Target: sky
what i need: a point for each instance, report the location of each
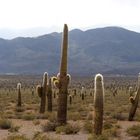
(36, 17)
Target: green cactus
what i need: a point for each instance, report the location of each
(41, 90)
(19, 94)
(62, 81)
(98, 104)
(49, 95)
(134, 101)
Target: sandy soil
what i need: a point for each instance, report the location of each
(29, 129)
(124, 125)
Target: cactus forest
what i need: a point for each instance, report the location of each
(69, 107)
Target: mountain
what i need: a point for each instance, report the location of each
(109, 50)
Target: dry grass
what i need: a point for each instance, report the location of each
(81, 111)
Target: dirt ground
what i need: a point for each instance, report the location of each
(28, 129)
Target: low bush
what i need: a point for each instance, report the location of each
(5, 124)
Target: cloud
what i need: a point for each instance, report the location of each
(23, 14)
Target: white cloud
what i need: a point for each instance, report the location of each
(77, 13)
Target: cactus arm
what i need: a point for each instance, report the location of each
(43, 93)
(134, 105)
(49, 95)
(39, 90)
(63, 65)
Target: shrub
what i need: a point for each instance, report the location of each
(134, 130)
(48, 115)
(14, 129)
(5, 124)
(49, 126)
(29, 117)
(100, 137)
(72, 128)
(60, 129)
(88, 127)
(74, 116)
(39, 136)
(107, 125)
(111, 132)
(17, 137)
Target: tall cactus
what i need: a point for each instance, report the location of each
(49, 95)
(41, 90)
(98, 104)
(19, 94)
(134, 101)
(62, 80)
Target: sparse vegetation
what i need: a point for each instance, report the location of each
(5, 124)
(134, 131)
(49, 126)
(17, 137)
(71, 128)
(80, 111)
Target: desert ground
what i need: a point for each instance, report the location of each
(26, 123)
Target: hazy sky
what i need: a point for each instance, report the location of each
(18, 15)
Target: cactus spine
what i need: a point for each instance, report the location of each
(98, 104)
(62, 80)
(49, 95)
(19, 94)
(41, 90)
(134, 101)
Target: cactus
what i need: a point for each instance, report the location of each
(19, 94)
(41, 90)
(75, 93)
(130, 91)
(83, 93)
(70, 99)
(134, 101)
(62, 80)
(98, 104)
(49, 95)
(115, 92)
(83, 96)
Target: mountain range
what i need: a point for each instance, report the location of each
(108, 50)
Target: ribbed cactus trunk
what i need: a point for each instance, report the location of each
(19, 94)
(98, 104)
(63, 84)
(49, 96)
(134, 101)
(41, 90)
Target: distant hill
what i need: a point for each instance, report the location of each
(110, 50)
